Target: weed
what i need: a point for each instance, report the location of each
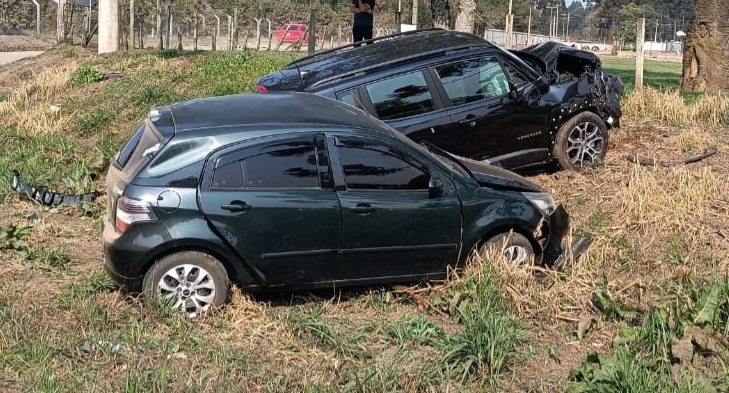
(13, 238)
(86, 74)
(70, 53)
(94, 121)
(97, 283)
(151, 96)
(417, 330)
(50, 256)
(313, 327)
(4, 96)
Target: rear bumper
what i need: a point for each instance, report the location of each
(115, 258)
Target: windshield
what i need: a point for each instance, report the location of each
(446, 159)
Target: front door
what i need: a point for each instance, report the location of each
(275, 205)
(494, 111)
(391, 223)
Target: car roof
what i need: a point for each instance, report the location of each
(387, 50)
(282, 108)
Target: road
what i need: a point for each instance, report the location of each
(9, 57)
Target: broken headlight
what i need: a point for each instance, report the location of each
(541, 200)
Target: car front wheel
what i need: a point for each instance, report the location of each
(190, 281)
(581, 142)
(513, 247)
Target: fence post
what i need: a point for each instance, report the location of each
(194, 32)
(270, 34)
(258, 33)
(639, 54)
(230, 32)
(312, 33)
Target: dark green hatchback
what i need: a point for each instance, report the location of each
(295, 190)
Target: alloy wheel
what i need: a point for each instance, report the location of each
(585, 145)
(187, 287)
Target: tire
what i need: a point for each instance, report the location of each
(517, 249)
(595, 48)
(166, 282)
(581, 142)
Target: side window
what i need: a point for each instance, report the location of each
(473, 80)
(290, 165)
(371, 168)
(350, 97)
(515, 77)
(401, 96)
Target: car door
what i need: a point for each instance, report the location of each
(406, 102)
(392, 225)
(273, 202)
(494, 110)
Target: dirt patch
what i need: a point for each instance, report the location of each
(12, 43)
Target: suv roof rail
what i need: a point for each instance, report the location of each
(390, 63)
(338, 49)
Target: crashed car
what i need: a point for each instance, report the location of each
(543, 104)
(226, 189)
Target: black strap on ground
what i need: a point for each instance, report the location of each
(47, 197)
(651, 162)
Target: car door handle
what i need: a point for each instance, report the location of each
(236, 206)
(470, 120)
(362, 208)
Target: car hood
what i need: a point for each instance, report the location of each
(491, 176)
(555, 56)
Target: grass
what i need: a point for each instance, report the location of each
(659, 261)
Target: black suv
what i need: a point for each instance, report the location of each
(470, 97)
(225, 188)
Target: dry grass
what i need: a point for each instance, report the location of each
(669, 107)
(29, 106)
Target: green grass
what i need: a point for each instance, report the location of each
(656, 73)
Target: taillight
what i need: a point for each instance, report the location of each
(261, 89)
(129, 211)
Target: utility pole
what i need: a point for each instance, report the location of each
(551, 20)
(415, 13)
(509, 26)
(108, 25)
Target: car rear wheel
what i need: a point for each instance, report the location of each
(513, 247)
(581, 142)
(190, 281)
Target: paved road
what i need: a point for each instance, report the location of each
(9, 57)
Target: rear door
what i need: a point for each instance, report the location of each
(391, 225)
(274, 203)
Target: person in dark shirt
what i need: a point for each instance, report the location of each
(362, 24)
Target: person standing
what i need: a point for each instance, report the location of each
(363, 19)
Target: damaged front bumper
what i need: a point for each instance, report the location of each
(556, 253)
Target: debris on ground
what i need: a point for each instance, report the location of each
(708, 152)
(47, 197)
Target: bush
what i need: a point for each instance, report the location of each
(85, 75)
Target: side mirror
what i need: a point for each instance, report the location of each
(435, 188)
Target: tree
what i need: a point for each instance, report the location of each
(706, 55)
(464, 18)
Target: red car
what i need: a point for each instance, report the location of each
(294, 33)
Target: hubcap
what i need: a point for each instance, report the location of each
(585, 145)
(516, 255)
(187, 287)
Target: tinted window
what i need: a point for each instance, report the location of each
(129, 147)
(350, 98)
(229, 175)
(473, 80)
(515, 77)
(402, 96)
(292, 167)
(368, 169)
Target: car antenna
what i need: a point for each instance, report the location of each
(298, 70)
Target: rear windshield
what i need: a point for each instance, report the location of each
(140, 148)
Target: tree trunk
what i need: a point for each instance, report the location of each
(131, 21)
(61, 22)
(158, 30)
(706, 52)
(441, 11)
(466, 12)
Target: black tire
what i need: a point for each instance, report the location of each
(581, 142)
(516, 248)
(595, 48)
(207, 287)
